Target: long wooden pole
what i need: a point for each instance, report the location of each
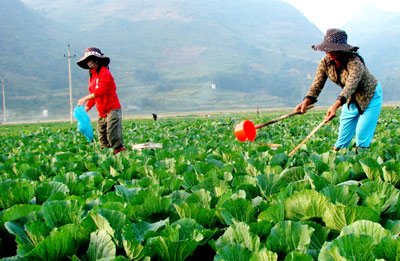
(282, 117)
(309, 136)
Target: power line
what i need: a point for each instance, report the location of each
(69, 78)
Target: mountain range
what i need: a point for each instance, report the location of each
(173, 55)
(376, 32)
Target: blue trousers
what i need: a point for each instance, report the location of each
(363, 125)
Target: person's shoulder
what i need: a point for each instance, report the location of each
(105, 71)
(325, 61)
(355, 59)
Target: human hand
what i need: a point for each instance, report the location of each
(81, 101)
(302, 106)
(331, 113)
(298, 107)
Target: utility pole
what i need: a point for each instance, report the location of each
(69, 78)
(3, 81)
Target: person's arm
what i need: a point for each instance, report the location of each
(302, 106)
(316, 87)
(86, 98)
(89, 104)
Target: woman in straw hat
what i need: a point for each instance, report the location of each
(362, 93)
(103, 93)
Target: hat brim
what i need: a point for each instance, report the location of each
(83, 61)
(334, 47)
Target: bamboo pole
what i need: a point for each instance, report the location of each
(309, 136)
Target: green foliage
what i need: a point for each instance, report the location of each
(239, 234)
(239, 209)
(298, 240)
(337, 217)
(204, 193)
(58, 213)
(388, 249)
(134, 238)
(101, 246)
(178, 241)
(58, 245)
(306, 205)
(366, 227)
(379, 196)
(343, 194)
(14, 192)
(274, 213)
(50, 190)
(357, 247)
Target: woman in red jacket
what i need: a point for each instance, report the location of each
(103, 93)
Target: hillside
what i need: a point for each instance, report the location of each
(377, 33)
(32, 62)
(164, 55)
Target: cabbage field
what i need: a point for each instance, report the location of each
(203, 196)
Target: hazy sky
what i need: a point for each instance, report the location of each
(334, 13)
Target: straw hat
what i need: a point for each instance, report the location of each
(92, 51)
(335, 40)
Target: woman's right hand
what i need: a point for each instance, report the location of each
(302, 106)
(298, 107)
(81, 101)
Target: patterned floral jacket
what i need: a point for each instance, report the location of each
(357, 82)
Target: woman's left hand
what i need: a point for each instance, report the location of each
(331, 113)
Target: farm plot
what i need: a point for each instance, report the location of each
(203, 196)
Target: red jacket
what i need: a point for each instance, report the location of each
(103, 86)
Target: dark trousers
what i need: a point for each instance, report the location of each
(109, 130)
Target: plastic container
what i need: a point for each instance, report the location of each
(245, 131)
(84, 122)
